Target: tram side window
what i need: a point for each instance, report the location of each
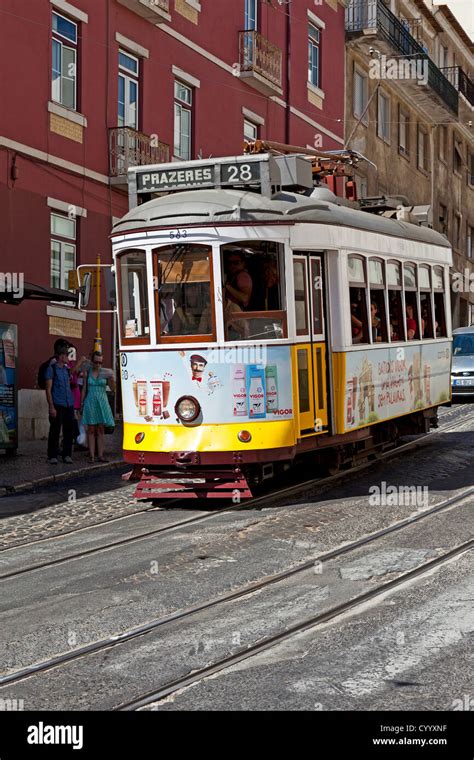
(439, 303)
(411, 303)
(253, 290)
(425, 301)
(184, 291)
(358, 300)
(377, 302)
(134, 299)
(395, 310)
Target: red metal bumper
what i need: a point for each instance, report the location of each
(207, 484)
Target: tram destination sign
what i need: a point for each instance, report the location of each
(199, 174)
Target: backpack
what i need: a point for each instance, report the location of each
(41, 380)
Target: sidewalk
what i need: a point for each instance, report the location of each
(30, 467)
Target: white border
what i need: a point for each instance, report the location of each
(67, 113)
(65, 207)
(70, 10)
(316, 20)
(252, 116)
(185, 77)
(134, 47)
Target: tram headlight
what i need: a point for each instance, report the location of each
(187, 408)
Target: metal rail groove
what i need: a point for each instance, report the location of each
(255, 649)
(259, 501)
(232, 596)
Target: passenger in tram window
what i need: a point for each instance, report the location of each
(271, 293)
(356, 323)
(266, 284)
(376, 323)
(412, 327)
(238, 286)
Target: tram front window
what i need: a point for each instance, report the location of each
(184, 304)
(134, 300)
(253, 291)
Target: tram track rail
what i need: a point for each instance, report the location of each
(165, 690)
(259, 502)
(243, 591)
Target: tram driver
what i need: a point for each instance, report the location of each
(238, 286)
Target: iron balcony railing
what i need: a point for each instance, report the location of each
(374, 14)
(460, 80)
(257, 54)
(128, 147)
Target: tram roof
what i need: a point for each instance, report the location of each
(205, 207)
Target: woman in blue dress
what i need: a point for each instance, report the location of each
(97, 413)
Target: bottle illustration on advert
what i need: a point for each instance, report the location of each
(239, 391)
(142, 397)
(157, 400)
(271, 381)
(256, 392)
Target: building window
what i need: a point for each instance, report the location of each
(443, 142)
(443, 57)
(183, 101)
(64, 64)
(361, 91)
(63, 249)
(443, 219)
(383, 117)
(457, 230)
(403, 132)
(250, 15)
(129, 70)
(470, 169)
(457, 156)
(314, 75)
(250, 131)
(469, 239)
(422, 150)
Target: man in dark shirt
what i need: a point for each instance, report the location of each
(61, 405)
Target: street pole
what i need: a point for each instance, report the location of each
(98, 339)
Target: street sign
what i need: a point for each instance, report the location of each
(257, 172)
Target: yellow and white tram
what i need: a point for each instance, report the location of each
(262, 318)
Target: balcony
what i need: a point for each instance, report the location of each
(260, 63)
(374, 25)
(128, 148)
(460, 81)
(154, 11)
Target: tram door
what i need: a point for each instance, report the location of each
(310, 350)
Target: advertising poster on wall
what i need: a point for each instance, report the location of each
(231, 385)
(388, 382)
(8, 406)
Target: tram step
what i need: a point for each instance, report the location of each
(216, 484)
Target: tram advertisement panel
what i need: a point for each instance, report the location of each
(8, 408)
(387, 382)
(230, 384)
